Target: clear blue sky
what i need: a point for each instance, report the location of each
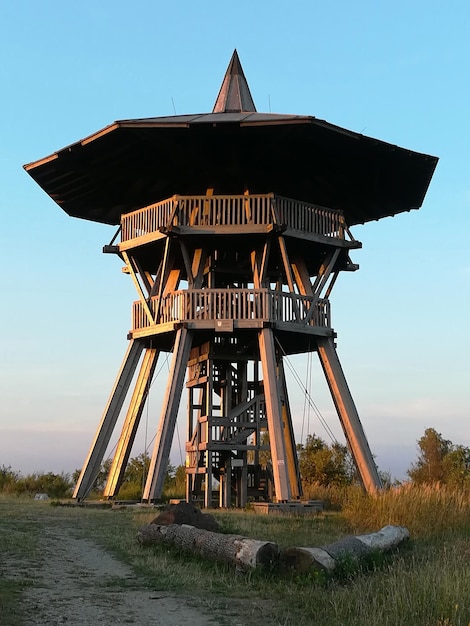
(396, 71)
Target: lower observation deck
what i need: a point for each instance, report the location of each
(224, 310)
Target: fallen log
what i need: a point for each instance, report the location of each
(302, 560)
(240, 551)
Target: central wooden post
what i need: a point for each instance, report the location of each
(274, 416)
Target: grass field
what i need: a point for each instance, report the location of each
(426, 583)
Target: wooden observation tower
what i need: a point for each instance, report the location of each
(234, 227)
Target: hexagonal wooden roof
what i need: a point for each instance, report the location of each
(133, 163)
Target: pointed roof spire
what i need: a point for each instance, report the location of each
(234, 95)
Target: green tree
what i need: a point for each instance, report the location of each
(456, 466)
(180, 480)
(439, 460)
(432, 448)
(323, 464)
(168, 483)
(265, 455)
(175, 482)
(137, 469)
(134, 477)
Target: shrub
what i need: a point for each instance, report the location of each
(55, 485)
(8, 479)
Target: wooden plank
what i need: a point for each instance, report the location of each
(154, 329)
(226, 421)
(224, 326)
(195, 470)
(236, 229)
(143, 240)
(211, 324)
(298, 329)
(324, 240)
(221, 445)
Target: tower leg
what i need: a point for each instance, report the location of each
(208, 481)
(131, 423)
(289, 439)
(348, 415)
(274, 415)
(95, 456)
(166, 428)
(226, 486)
(244, 484)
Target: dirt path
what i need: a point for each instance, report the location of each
(78, 583)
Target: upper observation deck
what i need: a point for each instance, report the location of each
(247, 214)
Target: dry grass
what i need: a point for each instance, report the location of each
(427, 511)
(425, 584)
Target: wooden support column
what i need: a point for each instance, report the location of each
(208, 481)
(161, 451)
(226, 486)
(302, 278)
(244, 484)
(131, 423)
(222, 491)
(208, 410)
(274, 415)
(95, 456)
(289, 439)
(194, 262)
(348, 415)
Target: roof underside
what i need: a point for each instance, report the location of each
(133, 163)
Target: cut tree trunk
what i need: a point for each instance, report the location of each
(326, 558)
(240, 551)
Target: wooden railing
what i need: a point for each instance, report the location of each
(310, 218)
(195, 305)
(241, 210)
(150, 219)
